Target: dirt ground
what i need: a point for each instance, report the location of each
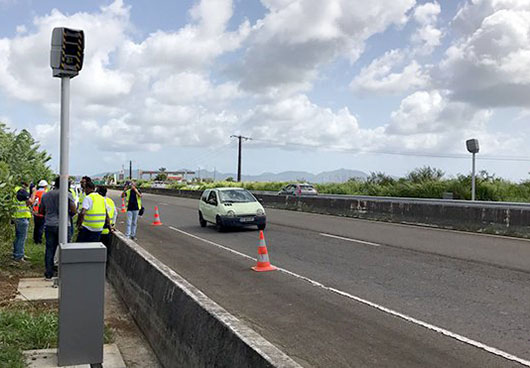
(133, 346)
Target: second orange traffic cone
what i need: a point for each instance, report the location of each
(263, 256)
(123, 209)
(157, 218)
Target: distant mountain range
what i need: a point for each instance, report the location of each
(335, 176)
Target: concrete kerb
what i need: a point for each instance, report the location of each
(184, 327)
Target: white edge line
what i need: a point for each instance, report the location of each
(350, 239)
(392, 312)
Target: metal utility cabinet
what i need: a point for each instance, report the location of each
(81, 303)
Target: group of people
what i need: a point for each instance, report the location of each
(96, 216)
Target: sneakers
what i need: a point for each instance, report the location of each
(133, 237)
(46, 278)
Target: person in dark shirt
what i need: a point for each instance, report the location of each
(49, 208)
(133, 199)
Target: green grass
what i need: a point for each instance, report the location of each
(33, 268)
(487, 188)
(25, 327)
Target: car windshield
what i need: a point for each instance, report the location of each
(236, 196)
(306, 187)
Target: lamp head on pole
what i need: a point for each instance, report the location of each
(472, 145)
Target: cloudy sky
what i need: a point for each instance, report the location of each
(381, 85)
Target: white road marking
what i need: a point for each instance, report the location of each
(350, 239)
(392, 312)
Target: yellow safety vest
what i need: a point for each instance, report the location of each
(128, 196)
(74, 194)
(82, 196)
(111, 210)
(95, 217)
(22, 209)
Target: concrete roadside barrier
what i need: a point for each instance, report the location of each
(502, 218)
(184, 327)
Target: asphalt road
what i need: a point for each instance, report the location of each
(356, 293)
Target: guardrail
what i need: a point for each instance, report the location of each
(491, 217)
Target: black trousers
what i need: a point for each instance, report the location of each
(38, 229)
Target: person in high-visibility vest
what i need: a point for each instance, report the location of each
(21, 219)
(93, 216)
(133, 201)
(82, 195)
(112, 213)
(38, 219)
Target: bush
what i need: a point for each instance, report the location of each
(20, 159)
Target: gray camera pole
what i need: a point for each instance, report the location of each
(64, 156)
(473, 179)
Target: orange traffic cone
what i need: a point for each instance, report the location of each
(157, 218)
(263, 256)
(123, 209)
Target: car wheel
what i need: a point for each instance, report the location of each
(202, 221)
(219, 225)
(261, 227)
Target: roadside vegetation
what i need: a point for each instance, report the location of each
(23, 325)
(424, 182)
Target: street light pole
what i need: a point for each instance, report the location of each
(473, 147)
(64, 158)
(473, 179)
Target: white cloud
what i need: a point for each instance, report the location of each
(297, 37)
(489, 65)
(131, 96)
(297, 120)
(432, 112)
(427, 37)
(392, 73)
(427, 13)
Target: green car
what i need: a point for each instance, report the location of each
(231, 207)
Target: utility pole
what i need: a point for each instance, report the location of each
(130, 170)
(241, 139)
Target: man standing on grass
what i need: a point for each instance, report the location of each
(49, 208)
(93, 216)
(21, 220)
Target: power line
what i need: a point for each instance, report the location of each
(396, 153)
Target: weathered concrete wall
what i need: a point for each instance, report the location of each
(184, 327)
(509, 219)
(492, 217)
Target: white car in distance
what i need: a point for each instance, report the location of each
(231, 207)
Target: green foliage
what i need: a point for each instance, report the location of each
(424, 182)
(161, 176)
(20, 159)
(425, 174)
(24, 328)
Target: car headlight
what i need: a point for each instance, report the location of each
(230, 213)
(260, 212)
